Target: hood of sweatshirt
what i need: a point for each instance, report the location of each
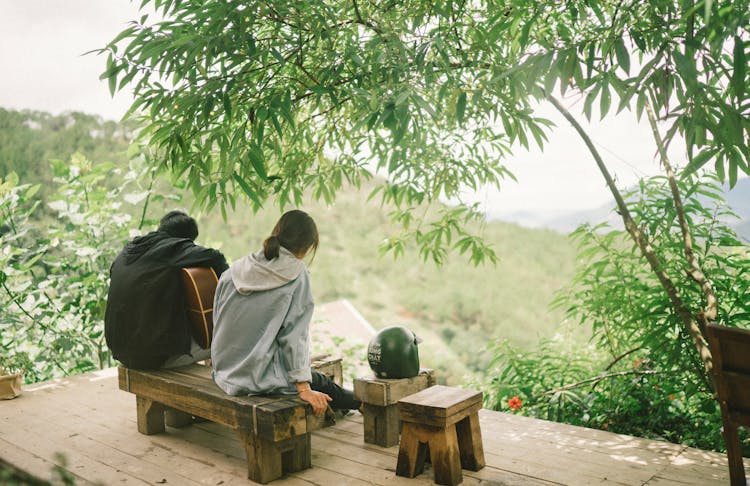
(254, 272)
(153, 241)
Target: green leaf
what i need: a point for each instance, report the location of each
(700, 160)
(623, 57)
(605, 100)
(686, 68)
(248, 190)
(227, 105)
(590, 58)
(732, 174)
(739, 68)
(588, 103)
(461, 107)
(567, 66)
(278, 56)
(719, 167)
(257, 159)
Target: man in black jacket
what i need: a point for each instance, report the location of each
(146, 322)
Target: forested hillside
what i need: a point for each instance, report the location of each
(30, 139)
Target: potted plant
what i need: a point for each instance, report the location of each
(11, 379)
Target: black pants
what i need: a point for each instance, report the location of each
(342, 399)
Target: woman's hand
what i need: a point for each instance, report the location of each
(318, 400)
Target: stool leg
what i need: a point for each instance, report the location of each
(411, 452)
(470, 442)
(446, 460)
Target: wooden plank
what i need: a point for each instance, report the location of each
(168, 451)
(345, 463)
(90, 459)
(191, 390)
(432, 416)
(529, 459)
(333, 442)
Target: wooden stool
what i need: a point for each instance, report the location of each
(444, 421)
(379, 397)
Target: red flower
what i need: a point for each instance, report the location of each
(515, 403)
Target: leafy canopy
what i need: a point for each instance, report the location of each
(278, 99)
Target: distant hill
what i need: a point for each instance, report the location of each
(738, 198)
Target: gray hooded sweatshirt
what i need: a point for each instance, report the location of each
(262, 313)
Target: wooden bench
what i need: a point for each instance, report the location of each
(275, 430)
(730, 347)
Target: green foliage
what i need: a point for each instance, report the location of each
(11, 476)
(55, 278)
(29, 140)
(279, 100)
(626, 305)
(645, 377)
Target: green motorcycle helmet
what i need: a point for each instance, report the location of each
(393, 353)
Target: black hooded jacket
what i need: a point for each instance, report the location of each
(146, 321)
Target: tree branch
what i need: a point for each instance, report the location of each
(696, 272)
(597, 379)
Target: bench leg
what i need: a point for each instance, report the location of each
(267, 461)
(381, 424)
(150, 416)
(177, 418)
(734, 451)
(470, 442)
(263, 459)
(299, 453)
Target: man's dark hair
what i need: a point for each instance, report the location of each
(179, 225)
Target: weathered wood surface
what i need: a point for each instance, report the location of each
(444, 421)
(275, 430)
(439, 405)
(382, 392)
(92, 422)
(379, 397)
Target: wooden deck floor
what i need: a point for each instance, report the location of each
(93, 423)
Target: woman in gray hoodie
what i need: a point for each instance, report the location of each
(262, 312)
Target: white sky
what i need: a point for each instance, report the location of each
(41, 47)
